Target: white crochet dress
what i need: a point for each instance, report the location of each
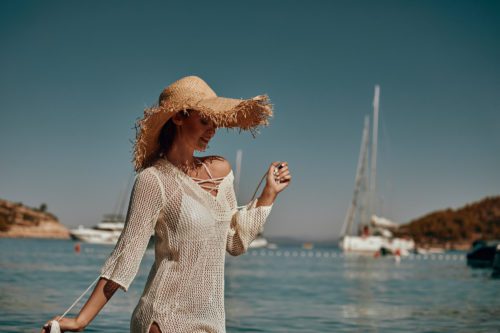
(193, 229)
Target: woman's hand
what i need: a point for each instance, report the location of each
(66, 325)
(278, 178)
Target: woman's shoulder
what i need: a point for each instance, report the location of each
(160, 171)
(218, 165)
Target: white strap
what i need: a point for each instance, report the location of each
(99, 277)
(206, 169)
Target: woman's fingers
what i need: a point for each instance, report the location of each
(279, 164)
(285, 179)
(274, 165)
(274, 169)
(282, 170)
(279, 175)
(46, 328)
(283, 173)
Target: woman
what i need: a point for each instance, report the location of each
(189, 204)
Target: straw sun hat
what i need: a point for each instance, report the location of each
(192, 93)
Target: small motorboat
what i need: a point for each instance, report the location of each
(482, 254)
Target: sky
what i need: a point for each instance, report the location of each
(76, 75)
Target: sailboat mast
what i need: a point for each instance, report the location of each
(373, 175)
(364, 205)
(349, 218)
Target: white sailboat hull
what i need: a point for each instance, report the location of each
(95, 236)
(258, 242)
(372, 244)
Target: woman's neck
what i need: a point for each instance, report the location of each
(181, 156)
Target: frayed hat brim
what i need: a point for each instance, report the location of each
(245, 114)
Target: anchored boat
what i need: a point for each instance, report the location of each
(106, 232)
(109, 229)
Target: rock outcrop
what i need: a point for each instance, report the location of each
(17, 220)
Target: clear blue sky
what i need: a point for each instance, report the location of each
(75, 75)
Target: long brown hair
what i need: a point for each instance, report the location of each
(168, 132)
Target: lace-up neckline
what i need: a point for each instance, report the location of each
(209, 186)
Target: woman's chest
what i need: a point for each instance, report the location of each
(190, 217)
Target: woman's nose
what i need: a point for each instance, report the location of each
(212, 127)
(212, 130)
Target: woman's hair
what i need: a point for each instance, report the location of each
(168, 132)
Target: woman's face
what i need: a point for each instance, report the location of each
(196, 131)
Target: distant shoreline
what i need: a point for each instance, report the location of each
(48, 230)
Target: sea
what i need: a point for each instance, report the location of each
(286, 289)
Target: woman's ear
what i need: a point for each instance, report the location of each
(178, 119)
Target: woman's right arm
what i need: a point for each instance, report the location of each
(120, 268)
(102, 293)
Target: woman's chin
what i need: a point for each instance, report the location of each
(202, 147)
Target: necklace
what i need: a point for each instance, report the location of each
(188, 167)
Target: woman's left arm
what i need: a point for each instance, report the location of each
(248, 222)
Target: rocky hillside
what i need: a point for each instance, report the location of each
(17, 220)
(457, 228)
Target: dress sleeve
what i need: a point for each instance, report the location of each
(143, 210)
(246, 223)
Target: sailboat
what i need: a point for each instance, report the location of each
(260, 241)
(375, 235)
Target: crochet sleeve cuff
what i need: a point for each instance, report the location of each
(246, 224)
(145, 204)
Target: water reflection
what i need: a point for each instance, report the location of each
(264, 293)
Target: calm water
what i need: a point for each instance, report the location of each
(283, 290)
